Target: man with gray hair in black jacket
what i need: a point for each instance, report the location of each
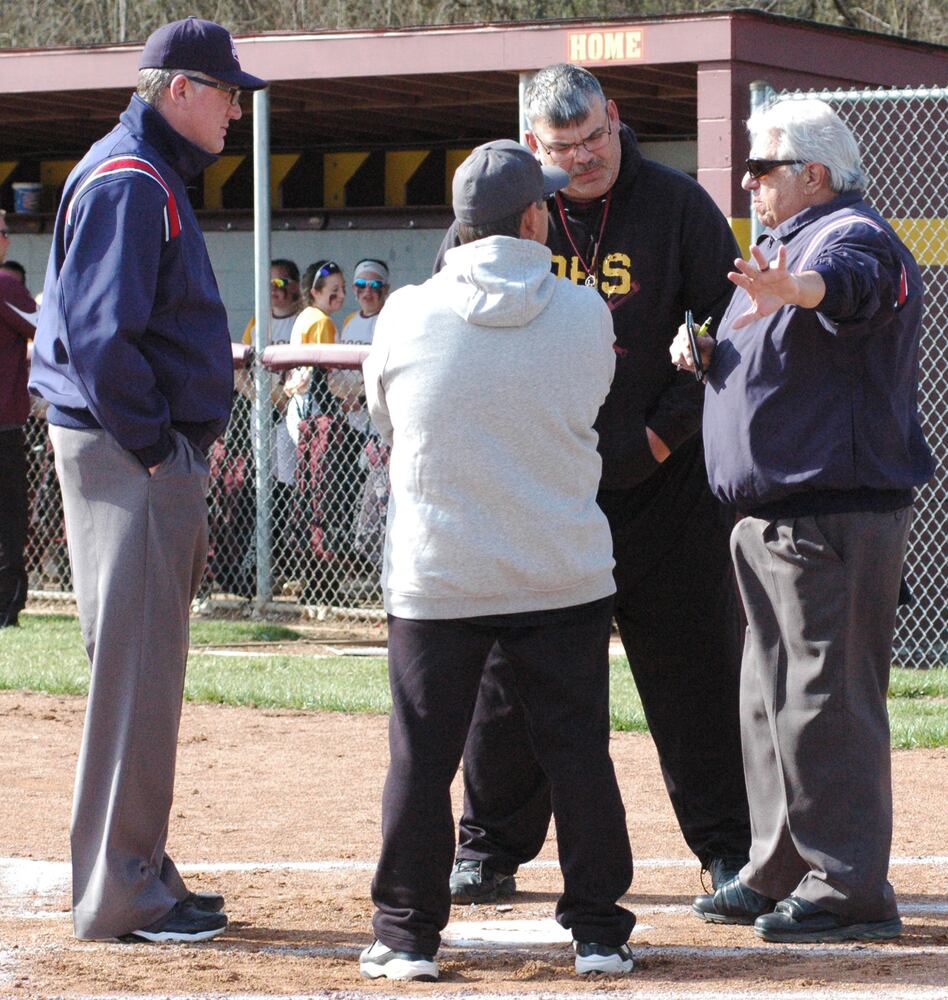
(652, 243)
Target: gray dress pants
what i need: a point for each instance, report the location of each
(138, 545)
(820, 594)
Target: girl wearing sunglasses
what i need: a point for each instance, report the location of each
(370, 280)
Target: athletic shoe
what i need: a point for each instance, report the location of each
(182, 922)
(733, 903)
(209, 902)
(379, 960)
(796, 919)
(723, 869)
(592, 957)
(477, 882)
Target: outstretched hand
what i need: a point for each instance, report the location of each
(768, 283)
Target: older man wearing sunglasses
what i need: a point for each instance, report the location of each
(811, 429)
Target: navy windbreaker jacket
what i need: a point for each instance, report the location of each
(132, 335)
(812, 410)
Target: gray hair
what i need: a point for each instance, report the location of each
(562, 95)
(812, 131)
(152, 84)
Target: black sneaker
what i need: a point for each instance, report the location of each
(378, 961)
(733, 903)
(591, 957)
(182, 922)
(477, 882)
(209, 902)
(723, 869)
(795, 919)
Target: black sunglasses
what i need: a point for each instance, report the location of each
(757, 168)
(374, 284)
(5, 233)
(233, 93)
(330, 267)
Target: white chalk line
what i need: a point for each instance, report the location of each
(638, 994)
(626, 994)
(345, 864)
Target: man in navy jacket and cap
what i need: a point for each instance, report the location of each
(133, 355)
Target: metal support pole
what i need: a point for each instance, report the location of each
(262, 406)
(761, 94)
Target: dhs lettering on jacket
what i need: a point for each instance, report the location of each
(614, 276)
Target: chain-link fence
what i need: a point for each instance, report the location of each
(316, 522)
(318, 530)
(903, 138)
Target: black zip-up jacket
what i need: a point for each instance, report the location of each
(666, 248)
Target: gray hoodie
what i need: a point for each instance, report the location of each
(486, 381)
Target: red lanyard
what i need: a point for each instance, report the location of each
(589, 268)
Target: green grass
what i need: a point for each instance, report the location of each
(47, 654)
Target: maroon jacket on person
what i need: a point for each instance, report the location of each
(15, 331)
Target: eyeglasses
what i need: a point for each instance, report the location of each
(330, 267)
(280, 283)
(233, 93)
(592, 144)
(374, 284)
(758, 168)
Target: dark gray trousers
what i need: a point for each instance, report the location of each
(138, 545)
(820, 594)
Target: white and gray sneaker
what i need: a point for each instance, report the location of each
(379, 960)
(592, 957)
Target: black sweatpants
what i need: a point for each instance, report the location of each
(678, 615)
(560, 665)
(14, 520)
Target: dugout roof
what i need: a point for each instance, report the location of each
(375, 121)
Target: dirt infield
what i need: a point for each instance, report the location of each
(280, 810)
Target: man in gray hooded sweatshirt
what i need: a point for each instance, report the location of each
(486, 381)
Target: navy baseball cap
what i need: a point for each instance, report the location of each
(198, 45)
(500, 178)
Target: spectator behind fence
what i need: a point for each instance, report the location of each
(140, 393)
(322, 292)
(17, 325)
(284, 302)
(811, 429)
(12, 267)
(496, 541)
(284, 307)
(653, 243)
(371, 283)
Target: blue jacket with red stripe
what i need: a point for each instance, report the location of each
(132, 335)
(815, 410)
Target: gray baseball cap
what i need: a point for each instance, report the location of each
(500, 178)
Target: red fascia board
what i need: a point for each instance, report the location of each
(38, 70)
(338, 55)
(820, 50)
(496, 49)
